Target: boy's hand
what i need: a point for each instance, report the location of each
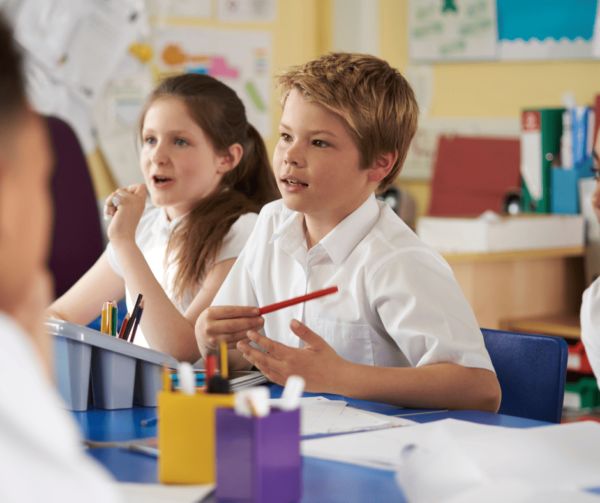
(317, 363)
(127, 213)
(228, 324)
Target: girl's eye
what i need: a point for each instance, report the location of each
(150, 140)
(285, 136)
(181, 143)
(320, 143)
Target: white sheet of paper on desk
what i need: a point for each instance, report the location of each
(317, 414)
(519, 491)
(159, 493)
(439, 460)
(320, 415)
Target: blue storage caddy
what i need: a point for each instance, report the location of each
(565, 187)
(121, 372)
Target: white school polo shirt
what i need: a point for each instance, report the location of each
(590, 326)
(41, 456)
(398, 303)
(152, 237)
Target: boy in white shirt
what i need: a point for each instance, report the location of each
(590, 306)
(399, 330)
(41, 458)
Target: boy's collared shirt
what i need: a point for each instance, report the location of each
(398, 303)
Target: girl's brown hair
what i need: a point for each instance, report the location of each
(216, 108)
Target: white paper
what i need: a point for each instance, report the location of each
(45, 27)
(240, 59)
(317, 414)
(353, 419)
(116, 116)
(246, 10)
(587, 186)
(450, 31)
(439, 460)
(320, 415)
(519, 491)
(159, 493)
(596, 38)
(98, 44)
(180, 8)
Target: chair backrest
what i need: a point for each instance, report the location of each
(77, 241)
(531, 370)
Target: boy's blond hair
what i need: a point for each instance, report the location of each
(373, 99)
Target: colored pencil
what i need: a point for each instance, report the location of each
(149, 422)
(104, 318)
(134, 314)
(124, 325)
(137, 321)
(114, 318)
(224, 370)
(297, 300)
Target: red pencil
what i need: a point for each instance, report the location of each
(297, 300)
(124, 325)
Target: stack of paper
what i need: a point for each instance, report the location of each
(320, 416)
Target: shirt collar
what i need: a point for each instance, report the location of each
(163, 226)
(340, 241)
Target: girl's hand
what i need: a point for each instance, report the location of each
(126, 214)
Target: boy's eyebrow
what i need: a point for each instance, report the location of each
(312, 133)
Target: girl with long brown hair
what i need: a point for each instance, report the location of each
(208, 175)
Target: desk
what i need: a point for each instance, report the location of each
(323, 480)
(521, 284)
(567, 326)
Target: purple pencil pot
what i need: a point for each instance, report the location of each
(258, 458)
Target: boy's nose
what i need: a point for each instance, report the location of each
(293, 156)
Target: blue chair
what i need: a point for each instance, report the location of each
(531, 370)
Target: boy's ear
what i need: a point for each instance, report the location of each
(382, 166)
(231, 159)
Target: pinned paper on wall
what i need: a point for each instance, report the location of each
(461, 30)
(240, 59)
(452, 30)
(180, 8)
(246, 10)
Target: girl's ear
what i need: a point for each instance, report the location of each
(382, 166)
(231, 159)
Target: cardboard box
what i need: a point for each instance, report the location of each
(506, 233)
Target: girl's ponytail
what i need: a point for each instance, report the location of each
(257, 183)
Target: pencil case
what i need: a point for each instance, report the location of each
(258, 458)
(121, 373)
(186, 436)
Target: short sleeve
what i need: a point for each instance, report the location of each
(238, 288)
(423, 309)
(590, 326)
(236, 238)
